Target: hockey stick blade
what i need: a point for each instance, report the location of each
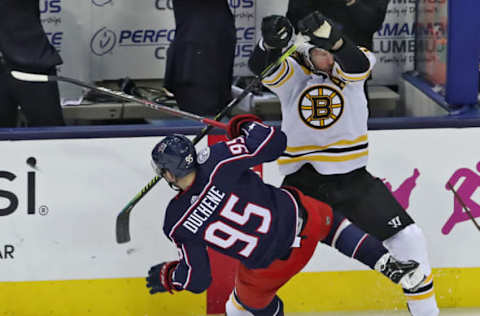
(122, 226)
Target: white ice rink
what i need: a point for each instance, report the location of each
(443, 312)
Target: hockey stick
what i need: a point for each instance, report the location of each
(123, 218)
(467, 210)
(24, 76)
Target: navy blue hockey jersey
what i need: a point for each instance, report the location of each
(230, 209)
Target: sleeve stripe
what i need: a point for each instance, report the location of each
(189, 273)
(288, 74)
(282, 77)
(349, 77)
(280, 73)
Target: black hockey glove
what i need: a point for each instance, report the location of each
(234, 128)
(160, 277)
(277, 31)
(321, 31)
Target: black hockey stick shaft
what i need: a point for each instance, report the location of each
(467, 210)
(123, 218)
(118, 95)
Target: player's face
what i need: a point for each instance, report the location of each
(322, 59)
(171, 180)
(168, 176)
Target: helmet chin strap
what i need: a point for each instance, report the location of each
(174, 186)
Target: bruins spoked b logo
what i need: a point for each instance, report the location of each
(320, 106)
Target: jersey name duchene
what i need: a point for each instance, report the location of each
(204, 210)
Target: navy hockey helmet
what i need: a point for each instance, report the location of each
(176, 154)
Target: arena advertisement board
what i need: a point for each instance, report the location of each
(67, 25)
(107, 39)
(59, 200)
(431, 42)
(58, 203)
(244, 12)
(394, 43)
(124, 33)
(114, 35)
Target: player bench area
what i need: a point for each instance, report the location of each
(383, 103)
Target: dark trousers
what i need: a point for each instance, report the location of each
(357, 195)
(40, 102)
(200, 61)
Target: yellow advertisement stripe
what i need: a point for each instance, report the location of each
(357, 140)
(283, 161)
(306, 292)
(126, 297)
(368, 290)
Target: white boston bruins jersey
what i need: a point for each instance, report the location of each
(325, 118)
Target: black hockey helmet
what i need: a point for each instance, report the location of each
(176, 154)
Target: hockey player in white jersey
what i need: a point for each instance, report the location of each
(324, 115)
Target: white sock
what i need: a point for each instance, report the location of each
(410, 244)
(423, 307)
(234, 308)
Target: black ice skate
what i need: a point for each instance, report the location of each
(406, 273)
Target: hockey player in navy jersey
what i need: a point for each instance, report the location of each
(324, 115)
(272, 231)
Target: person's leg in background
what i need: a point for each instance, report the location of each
(206, 87)
(8, 106)
(199, 69)
(201, 100)
(199, 77)
(40, 102)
